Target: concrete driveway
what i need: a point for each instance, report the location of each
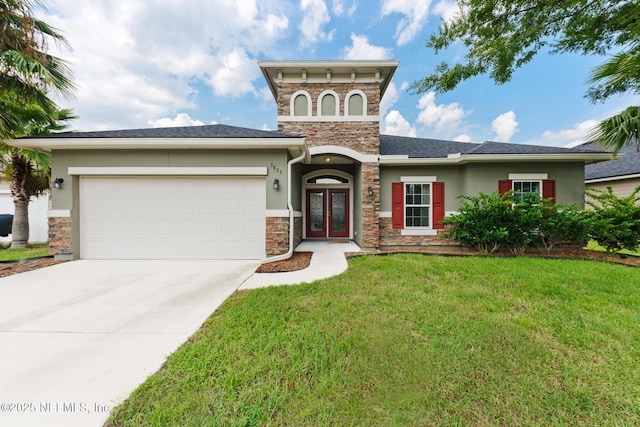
(77, 338)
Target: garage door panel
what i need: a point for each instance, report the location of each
(172, 217)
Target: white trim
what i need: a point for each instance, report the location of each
(277, 213)
(58, 213)
(528, 176)
(419, 179)
(48, 144)
(172, 171)
(364, 102)
(385, 214)
(612, 178)
(418, 232)
(328, 118)
(293, 99)
(348, 152)
(281, 213)
(319, 105)
(405, 160)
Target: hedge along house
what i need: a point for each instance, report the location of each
(222, 192)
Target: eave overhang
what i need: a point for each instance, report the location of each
(296, 146)
(460, 159)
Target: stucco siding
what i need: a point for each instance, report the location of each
(569, 177)
(274, 160)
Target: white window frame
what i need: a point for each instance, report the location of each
(292, 111)
(429, 207)
(513, 187)
(337, 99)
(364, 103)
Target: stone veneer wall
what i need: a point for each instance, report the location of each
(60, 236)
(361, 136)
(390, 237)
(370, 206)
(277, 238)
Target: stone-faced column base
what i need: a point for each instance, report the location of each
(277, 236)
(60, 237)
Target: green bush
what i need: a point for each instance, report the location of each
(562, 224)
(488, 222)
(615, 221)
(482, 222)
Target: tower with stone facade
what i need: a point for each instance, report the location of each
(335, 106)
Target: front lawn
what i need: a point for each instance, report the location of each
(36, 250)
(412, 340)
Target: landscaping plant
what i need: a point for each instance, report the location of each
(615, 221)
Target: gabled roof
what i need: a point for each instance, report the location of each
(626, 165)
(206, 131)
(404, 150)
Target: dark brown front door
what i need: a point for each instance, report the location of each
(328, 213)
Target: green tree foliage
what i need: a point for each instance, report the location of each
(615, 220)
(503, 35)
(28, 76)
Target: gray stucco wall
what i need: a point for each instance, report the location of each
(471, 179)
(274, 160)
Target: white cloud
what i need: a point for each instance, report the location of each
(505, 126)
(315, 17)
(136, 61)
(389, 99)
(569, 137)
(395, 124)
(338, 7)
(448, 10)
(181, 119)
(462, 138)
(234, 74)
(442, 117)
(361, 49)
(415, 13)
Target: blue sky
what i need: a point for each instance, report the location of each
(159, 63)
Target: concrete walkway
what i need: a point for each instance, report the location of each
(328, 260)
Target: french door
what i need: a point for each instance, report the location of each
(328, 213)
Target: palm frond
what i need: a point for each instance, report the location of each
(617, 131)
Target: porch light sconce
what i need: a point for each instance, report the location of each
(276, 184)
(57, 183)
(370, 190)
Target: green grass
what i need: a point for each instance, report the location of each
(594, 246)
(408, 340)
(13, 254)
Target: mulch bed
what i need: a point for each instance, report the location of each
(301, 260)
(8, 269)
(298, 261)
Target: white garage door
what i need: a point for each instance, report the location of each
(172, 217)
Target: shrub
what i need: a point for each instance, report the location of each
(487, 222)
(615, 221)
(562, 224)
(481, 223)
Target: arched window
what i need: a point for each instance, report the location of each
(356, 105)
(300, 104)
(328, 103)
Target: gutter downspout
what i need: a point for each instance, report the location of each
(290, 207)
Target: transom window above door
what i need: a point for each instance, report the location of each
(327, 179)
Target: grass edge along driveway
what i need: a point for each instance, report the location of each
(412, 340)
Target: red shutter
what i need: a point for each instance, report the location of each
(549, 189)
(397, 204)
(437, 200)
(504, 185)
